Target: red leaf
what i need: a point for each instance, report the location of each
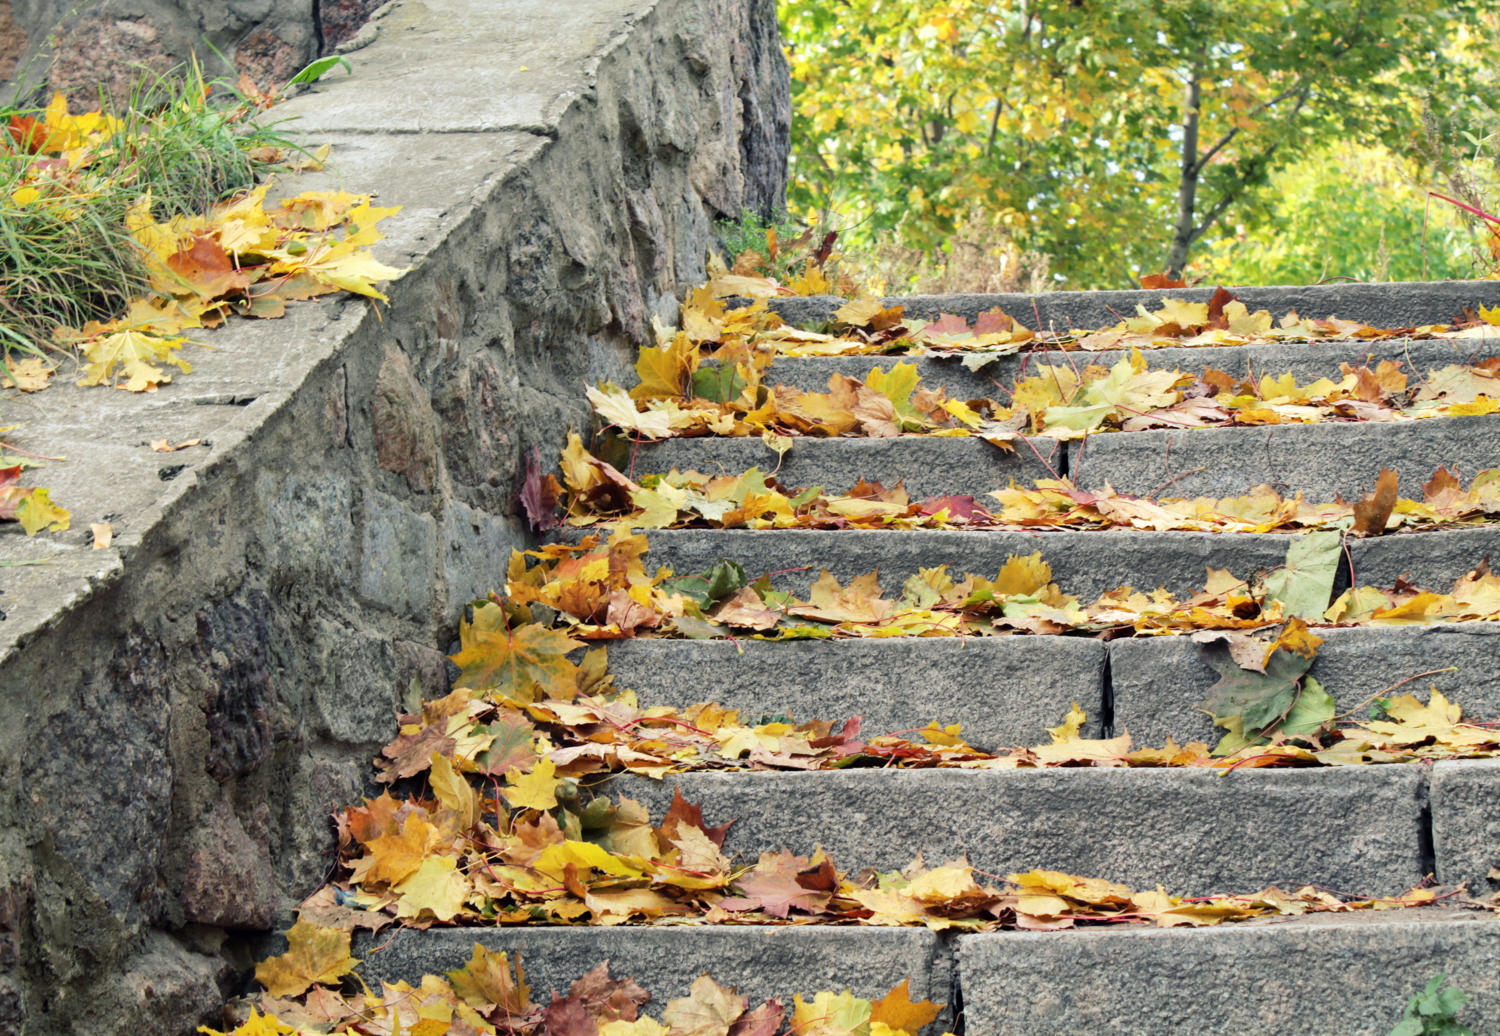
(1216, 306)
(538, 494)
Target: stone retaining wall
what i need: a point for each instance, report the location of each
(180, 714)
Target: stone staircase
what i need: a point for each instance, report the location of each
(1368, 830)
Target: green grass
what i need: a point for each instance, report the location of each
(182, 140)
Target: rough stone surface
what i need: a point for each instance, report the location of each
(761, 962)
(1379, 305)
(1319, 460)
(1323, 975)
(1354, 828)
(927, 466)
(1083, 564)
(1159, 682)
(1466, 823)
(180, 713)
(1003, 690)
(1435, 559)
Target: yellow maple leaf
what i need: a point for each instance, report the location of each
(644, 1025)
(897, 1010)
(134, 355)
(29, 375)
(314, 954)
(830, 1014)
(256, 1025)
(1022, 575)
(524, 663)
(490, 979)
(534, 790)
(437, 887)
(36, 512)
(666, 369)
(452, 790)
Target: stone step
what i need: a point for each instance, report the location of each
(1379, 305)
(1085, 564)
(1006, 691)
(1357, 829)
(1156, 683)
(761, 961)
(1317, 975)
(1319, 460)
(1290, 976)
(1307, 361)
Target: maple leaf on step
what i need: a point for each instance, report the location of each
(608, 999)
(524, 663)
(314, 954)
(203, 268)
(534, 790)
(568, 1017)
(708, 1010)
(772, 885)
(765, 1020)
(830, 1014)
(682, 812)
(491, 980)
(897, 1010)
(437, 887)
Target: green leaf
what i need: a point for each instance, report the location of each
(1304, 585)
(706, 588)
(719, 384)
(1314, 709)
(317, 69)
(1246, 703)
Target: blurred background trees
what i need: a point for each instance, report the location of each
(1025, 144)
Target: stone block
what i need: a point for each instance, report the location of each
(1319, 460)
(311, 528)
(1433, 559)
(1318, 975)
(927, 466)
(1465, 802)
(1083, 564)
(229, 881)
(1159, 682)
(355, 688)
(1003, 690)
(477, 549)
(760, 961)
(396, 570)
(1357, 829)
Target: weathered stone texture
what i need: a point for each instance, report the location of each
(179, 715)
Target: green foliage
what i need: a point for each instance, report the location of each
(1068, 128)
(748, 234)
(1434, 1012)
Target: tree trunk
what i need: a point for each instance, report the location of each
(1187, 186)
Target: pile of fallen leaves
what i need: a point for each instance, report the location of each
(536, 850)
(595, 493)
(680, 396)
(601, 590)
(241, 258)
(490, 995)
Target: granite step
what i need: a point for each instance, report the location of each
(1359, 830)
(1006, 691)
(1321, 461)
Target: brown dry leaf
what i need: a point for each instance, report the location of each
(1372, 513)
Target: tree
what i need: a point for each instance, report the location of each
(1115, 135)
